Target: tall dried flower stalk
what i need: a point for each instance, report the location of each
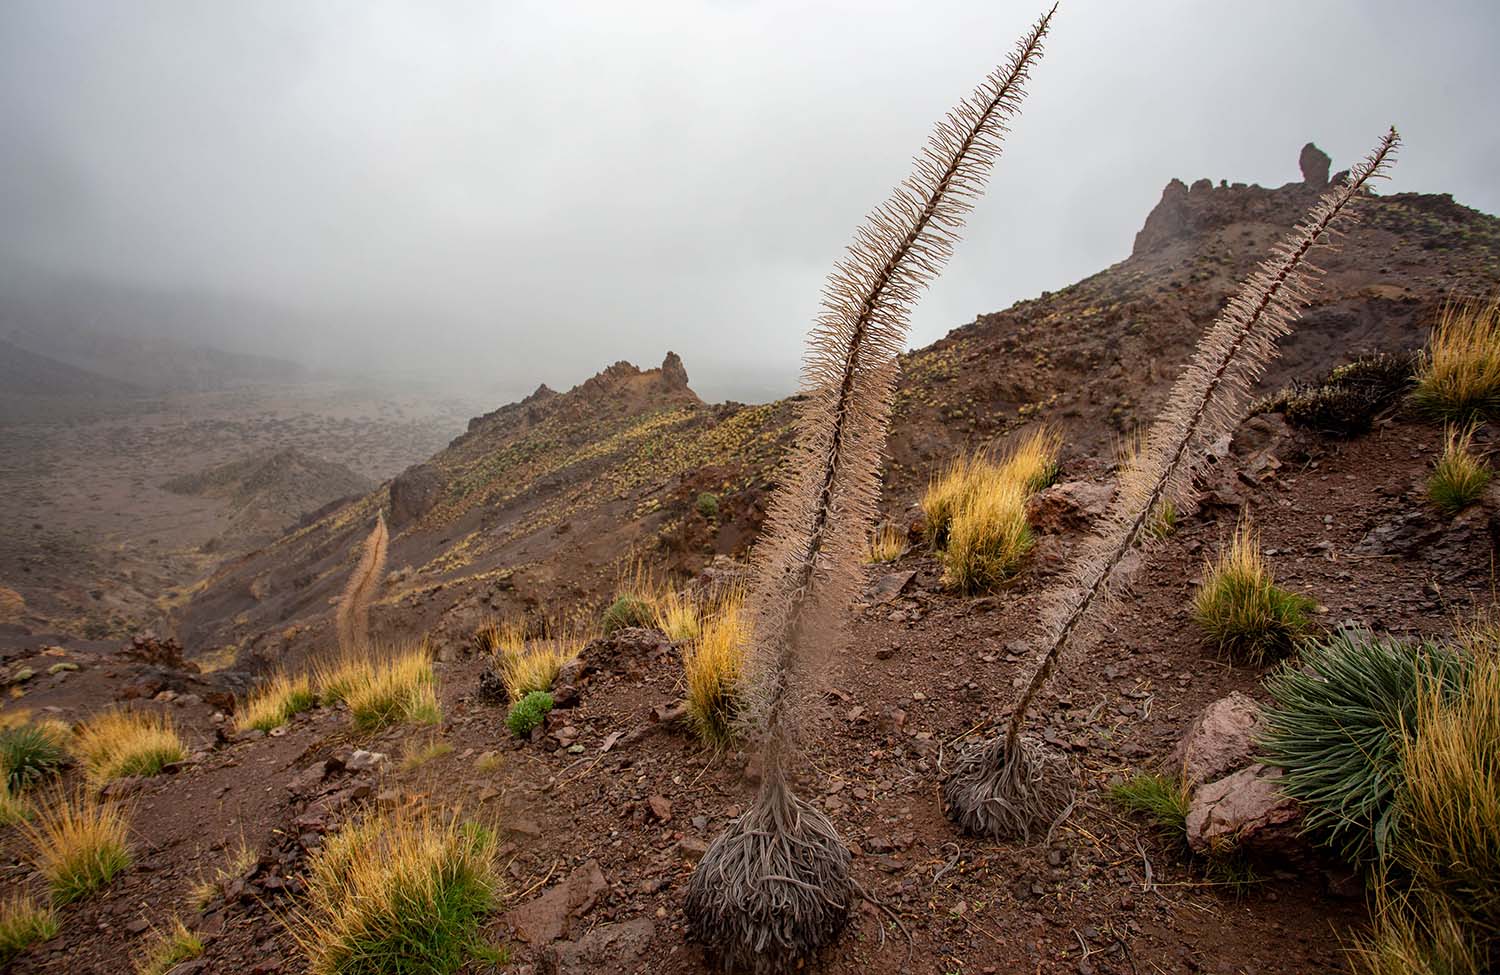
(1006, 787)
(775, 886)
(352, 616)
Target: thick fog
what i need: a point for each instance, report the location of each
(508, 193)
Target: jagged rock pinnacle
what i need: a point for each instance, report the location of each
(1314, 163)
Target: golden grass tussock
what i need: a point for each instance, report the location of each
(238, 865)
(168, 948)
(1242, 611)
(274, 704)
(13, 808)
(1033, 461)
(399, 688)
(678, 615)
(989, 535)
(1450, 801)
(1416, 935)
(535, 666)
(887, 544)
(713, 666)
(946, 492)
(77, 844)
(397, 891)
(499, 636)
(119, 743)
(1460, 476)
(1459, 378)
(23, 923)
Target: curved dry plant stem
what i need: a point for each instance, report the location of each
(1205, 403)
(775, 886)
(352, 615)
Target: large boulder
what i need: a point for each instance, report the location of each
(1220, 740)
(549, 917)
(1245, 812)
(1068, 507)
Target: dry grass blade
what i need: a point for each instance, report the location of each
(352, 616)
(1205, 402)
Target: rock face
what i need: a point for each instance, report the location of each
(1220, 740)
(1314, 163)
(548, 917)
(607, 948)
(414, 492)
(1244, 811)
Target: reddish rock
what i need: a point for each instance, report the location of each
(1245, 811)
(547, 917)
(659, 808)
(1220, 740)
(607, 948)
(1068, 507)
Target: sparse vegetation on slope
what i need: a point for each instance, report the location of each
(534, 666)
(1460, 477)
(118, 743)
(1242, 611)
(1347, 400)
(989, 535)
(887, 544)
(78, 845)
(398, 893)
(274, 704)
(394, 687)
(1460, 378)
(23, 923)
(1164, 799)
(169, 948)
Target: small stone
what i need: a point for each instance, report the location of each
(660, 808)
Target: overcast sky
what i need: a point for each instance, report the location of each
(521, 192)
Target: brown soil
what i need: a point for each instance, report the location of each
(921, 674)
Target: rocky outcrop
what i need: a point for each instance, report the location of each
(414, 492)
(1314, 163)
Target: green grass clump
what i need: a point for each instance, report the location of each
(1242, 611)
(1460, 477)
(1164, 799)
(528, 713)
(708, 505)
(23, 924)
(627, 610)
(168, 949)
(398, 893)
(30, 753)
(78, 845)
(1337, 726)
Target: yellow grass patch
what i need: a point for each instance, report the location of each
(712, 666)
(1241, 609)
(989, 534)
(118, 743)
(22, 924)
(887, 544)
(169, 948)
(1460, 377)
(273, 704)
(78, 845)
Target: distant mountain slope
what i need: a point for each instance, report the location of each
(146, 338)
(270, 491)
(543, 501)
(25, 373)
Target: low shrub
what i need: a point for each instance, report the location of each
(168, 949)
(988, 537)
(274, 704)
(1164, 799)
(627, 610)
(1242, 611)
(708, 505)
(30, 753)
(78, 845)
(1346, 400)
(1460, 477)
(712, 666)
(1336, 729)
(22, 924)
(119, 743)
(1459, 379)
(528, 713)
(397, 893)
